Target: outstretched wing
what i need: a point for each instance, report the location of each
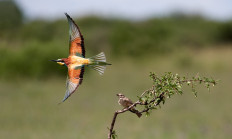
(74, 79)
(76, 39)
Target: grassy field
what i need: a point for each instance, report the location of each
(29, 107)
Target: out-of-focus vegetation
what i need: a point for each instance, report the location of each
(179, 43)
(27, 48)
(10, 15)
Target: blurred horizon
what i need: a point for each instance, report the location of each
(126, 9)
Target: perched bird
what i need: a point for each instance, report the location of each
(76, 60)
(126, 102)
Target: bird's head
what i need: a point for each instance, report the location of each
(120, 95)
(59, 61)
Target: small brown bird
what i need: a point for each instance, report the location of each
(126, 102)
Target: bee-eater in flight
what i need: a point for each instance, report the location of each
(76, 60)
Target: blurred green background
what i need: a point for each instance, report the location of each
(31, 86)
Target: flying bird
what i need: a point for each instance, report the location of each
(76, 60)
(126, 102)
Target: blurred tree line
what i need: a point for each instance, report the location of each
(27, 47)
(10, 15)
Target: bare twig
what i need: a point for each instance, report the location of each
(115, 117)
(112, 125)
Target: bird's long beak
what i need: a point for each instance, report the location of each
(117, 94)
(54, 60)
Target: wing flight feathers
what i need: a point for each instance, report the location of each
(74, 79)
(76, 39)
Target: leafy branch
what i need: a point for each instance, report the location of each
(163, 87)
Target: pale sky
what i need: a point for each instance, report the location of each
(130, 9)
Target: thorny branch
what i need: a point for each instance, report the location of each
(163, 87)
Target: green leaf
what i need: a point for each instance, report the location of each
(147, 114)
(114, 136)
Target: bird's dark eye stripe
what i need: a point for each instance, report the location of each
(61, 60)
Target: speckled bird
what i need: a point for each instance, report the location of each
(76, 60)
(126, 102)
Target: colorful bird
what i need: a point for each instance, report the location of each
(77, 61)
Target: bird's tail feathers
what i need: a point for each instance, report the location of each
(133, 110)
(99, 57)
(139, 114)
(99, 69)
(98, 62)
